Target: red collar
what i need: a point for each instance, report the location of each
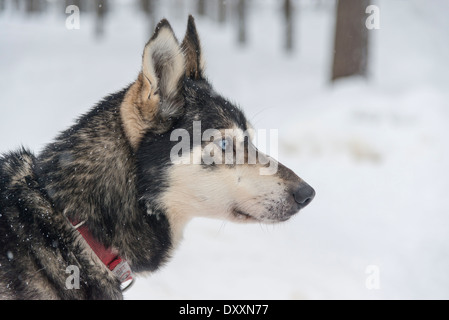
(111, 259)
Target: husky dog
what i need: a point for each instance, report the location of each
(106, 201)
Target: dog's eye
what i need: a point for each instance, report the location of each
(223, 144)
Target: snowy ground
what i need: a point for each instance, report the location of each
(375, 151)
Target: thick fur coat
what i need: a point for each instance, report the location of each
(112, 171)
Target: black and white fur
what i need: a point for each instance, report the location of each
(112, 169)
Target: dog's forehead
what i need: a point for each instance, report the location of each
(213, 110)
(224, 114)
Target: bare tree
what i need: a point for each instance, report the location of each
(34, 6)
(100, 12)
(17, 4)
(178, 7)
(149, 7)
(241, 20)
(289, 27)
(221, 11)
(79, 3)
(351, 39)
(201, 7)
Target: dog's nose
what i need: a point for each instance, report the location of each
(304, 195)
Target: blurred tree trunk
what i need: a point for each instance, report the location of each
(79, 3)
(221, 11)
(100, 12)
(17, 5)
(351, 39)
(201, 7)
(178, 8)
(33, 6)
(241, 17)
(149, 7)
(289, 28)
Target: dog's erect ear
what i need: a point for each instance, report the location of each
(191, 47)
(156, 98)
(163, 62)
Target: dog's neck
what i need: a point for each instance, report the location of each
(89, 173)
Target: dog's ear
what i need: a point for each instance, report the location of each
(191, 47)
(156, 98)
(163, 62)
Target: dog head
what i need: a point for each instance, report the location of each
(195, 155)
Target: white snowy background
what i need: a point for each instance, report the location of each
(376, 151)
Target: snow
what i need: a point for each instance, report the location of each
(375, 150)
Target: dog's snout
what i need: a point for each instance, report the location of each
(303, 195)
